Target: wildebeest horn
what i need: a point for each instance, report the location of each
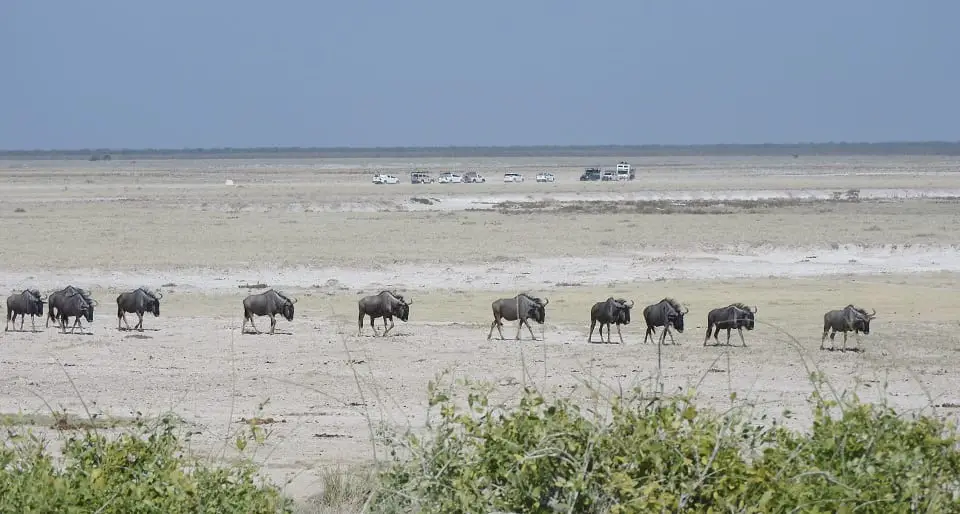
(686, 309)
(755, 309)
(631, 304)
(408, 302)
(545, 301)
(873, 314)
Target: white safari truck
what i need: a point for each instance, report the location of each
(625, 171)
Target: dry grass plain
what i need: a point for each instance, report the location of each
(706, 231)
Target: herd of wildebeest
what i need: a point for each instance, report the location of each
(667, 313)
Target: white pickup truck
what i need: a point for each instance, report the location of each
(381, 178)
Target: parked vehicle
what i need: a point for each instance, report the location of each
(591, 174)
(624, 171)
(473, 177)
(381, 178)
(546, 177)
(608, 176)
(448, 177)
(420, 177)
(512, 177)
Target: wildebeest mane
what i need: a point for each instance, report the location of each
(673, 303)
(149, 292)
(741, 306)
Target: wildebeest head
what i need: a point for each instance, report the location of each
(537, 310)
(675, 318)
(156, 296)
(861, 321)
(623, 314)
(286, 310)
(84, 305)
(36, 300)
(749, 314)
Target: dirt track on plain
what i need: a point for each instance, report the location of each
(705, 231)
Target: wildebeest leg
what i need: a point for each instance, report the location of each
(844, 342)
(646, 335)
(527, 322)
(824, 336)
(618, 333)
(740, 331)
(593, 323)
(385, 329)
(139, 325)
(23, 317)
(706, 337)
(666, 331)
(122, 317)
(496, 323)
(254, 325)
(273, 323)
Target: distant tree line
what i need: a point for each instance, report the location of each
(764, 149)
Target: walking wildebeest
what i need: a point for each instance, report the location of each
(25, 302)
(735, 315)
(615, 311)
(268, 303)
(520, 307)
(385, 304)
(848, 319)
(55, 298)
(77, 304)
(665, 313)
(140, 300)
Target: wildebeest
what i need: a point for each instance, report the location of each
(25, 302)
(55, 298)
(140, 300)
(665, 313)
(386, 305)
(849, 319)
(268, 303)
(520, 307)
(615, 311)
(76, 303)
(735, 315)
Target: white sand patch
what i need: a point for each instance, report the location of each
(539, 273)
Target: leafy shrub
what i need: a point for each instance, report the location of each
(128, 473)
(665, 455)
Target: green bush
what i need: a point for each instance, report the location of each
(125, 474)
(665, 455)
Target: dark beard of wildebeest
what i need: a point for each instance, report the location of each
(75, 304)
(26, 302)
(735, 315)
(665, 313)
(386, 305)
(849, 319)
(138, 301)
(615, 311)
(521, 307)
(55, 299)
(268, 303)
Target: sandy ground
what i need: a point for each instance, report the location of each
(705, 231)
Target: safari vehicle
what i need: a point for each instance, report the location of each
(448, 177)
(591, 174)
(546, 177)
(511, 176)
(608, 176)
(624, 171)
(420, 177)
(473, 177)
(381, 178)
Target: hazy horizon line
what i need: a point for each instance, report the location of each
(638, 150)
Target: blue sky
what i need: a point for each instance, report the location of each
(212, 73)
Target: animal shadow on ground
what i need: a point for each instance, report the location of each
(854, 349)
(125, 329)
(250, 332)
(26, 330)
(137, 336)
